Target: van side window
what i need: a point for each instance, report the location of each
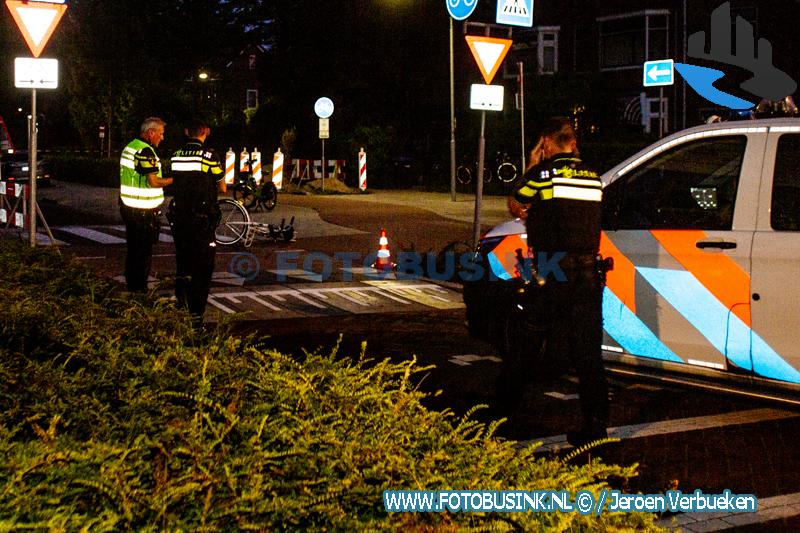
(785, 212)
(691, 186)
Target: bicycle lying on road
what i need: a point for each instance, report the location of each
(250, 194)
(235, 225)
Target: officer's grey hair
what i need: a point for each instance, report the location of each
(151, 123)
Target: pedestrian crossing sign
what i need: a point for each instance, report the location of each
(515, 12)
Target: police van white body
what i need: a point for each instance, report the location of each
(704, 229)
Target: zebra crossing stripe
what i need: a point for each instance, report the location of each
(92, 235)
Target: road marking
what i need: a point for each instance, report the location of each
(665, 427)
(467, 360)
(92, 235)
(428, 294)
(773, 508)
(228, 278)
(305, 275)
(348, 298)
(562, 397)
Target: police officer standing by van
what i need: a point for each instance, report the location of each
(560, 200)
(140, 196)
(194, 215)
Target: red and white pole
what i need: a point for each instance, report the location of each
(362, 170)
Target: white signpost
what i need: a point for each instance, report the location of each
(323, 107)
(37, 21)
(489, 53)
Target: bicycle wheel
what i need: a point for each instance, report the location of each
(245, 195)
(268, 197)
(463, 175)
(233, 223)
(487, 175)
(507, 172)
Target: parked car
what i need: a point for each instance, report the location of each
(704, 230)
(15, 167)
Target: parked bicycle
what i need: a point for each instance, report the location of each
(465, 172)
(250, 194)
(505, 170)
(236, 225)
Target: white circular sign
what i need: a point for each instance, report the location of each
(323, 107)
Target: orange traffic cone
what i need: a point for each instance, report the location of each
(384, 261)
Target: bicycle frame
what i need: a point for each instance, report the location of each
(236, 225)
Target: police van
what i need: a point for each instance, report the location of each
(704, 230)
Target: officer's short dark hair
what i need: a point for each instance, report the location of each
(560, 130)
(196, 127)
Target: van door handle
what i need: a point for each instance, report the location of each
(722, 245)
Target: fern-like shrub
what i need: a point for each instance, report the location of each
(116, 415)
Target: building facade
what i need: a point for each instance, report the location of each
(610, 40)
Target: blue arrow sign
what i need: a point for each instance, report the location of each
(660, 72)
(461, 9)
(515, 12)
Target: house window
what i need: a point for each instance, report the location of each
(252, 98)
(537, 48)
(627, 41)
(547, 49)
(251, 62)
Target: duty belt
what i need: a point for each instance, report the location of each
(578, 261)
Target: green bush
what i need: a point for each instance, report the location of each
(116, 414)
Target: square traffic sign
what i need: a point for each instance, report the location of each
(35, 73)
(515, 12)
(657, 73)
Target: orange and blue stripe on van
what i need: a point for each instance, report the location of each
(710, 291)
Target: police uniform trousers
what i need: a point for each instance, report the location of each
(141, 232)
(195, 250)
(559, 327)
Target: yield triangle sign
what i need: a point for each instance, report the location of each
(489, 53)
(36, 21)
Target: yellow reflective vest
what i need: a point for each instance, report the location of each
(137, 161)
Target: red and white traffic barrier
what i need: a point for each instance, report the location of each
(244, 161)
(230, 166)
(362, 170)
(277, 169)
(255, 159)
(8, 208)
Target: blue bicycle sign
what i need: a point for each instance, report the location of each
(461, 9)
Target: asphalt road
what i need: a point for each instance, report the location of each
(680, 438)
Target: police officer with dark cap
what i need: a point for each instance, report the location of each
(194, 215)
(559, 198)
